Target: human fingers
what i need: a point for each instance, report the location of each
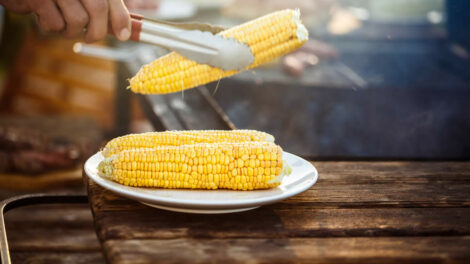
(75, 16)
(49, 17)
(98, 19)
(120, 19)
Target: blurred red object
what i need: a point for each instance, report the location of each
(38, 144)
(308, 55)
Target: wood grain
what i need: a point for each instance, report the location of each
(359, 185)
(52, 234)
(297, 250)
(358, 212)
(272, 222)
(57, 257)
(51, 229)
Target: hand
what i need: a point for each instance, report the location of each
(73, 18)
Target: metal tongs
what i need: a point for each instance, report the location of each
(195, 41)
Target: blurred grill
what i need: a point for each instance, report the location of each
(399, 95)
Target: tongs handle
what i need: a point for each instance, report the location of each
(170, 36)
(137, 21)
(195, 41)
(136, 26)
(136, 16)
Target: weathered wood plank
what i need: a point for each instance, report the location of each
(44, 216)
(384, 195)
(341, 196)
(102, 200)
(273, 222)
(66, 228)
(398, 172)
(298, 250)
(48, 257)
(330, 195)
(358, 212)
(57, 239)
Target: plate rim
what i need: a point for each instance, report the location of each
(168, 201)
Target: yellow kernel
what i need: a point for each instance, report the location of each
(273, 156)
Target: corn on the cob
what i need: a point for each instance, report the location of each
(237, 166)
(176, 138)
(268, 37)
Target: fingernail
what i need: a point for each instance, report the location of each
(124, 34)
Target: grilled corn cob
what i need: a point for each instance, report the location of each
(237, 166)
(268, 37)
(176, 138)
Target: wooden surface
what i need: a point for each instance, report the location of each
(358, 212)
(53, 234)
(46, 234)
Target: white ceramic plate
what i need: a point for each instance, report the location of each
(303, 176)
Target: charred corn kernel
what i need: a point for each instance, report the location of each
(145, 173)
(268, 37)
(176, 138)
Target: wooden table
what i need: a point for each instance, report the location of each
(358, 212)
(53, 233)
